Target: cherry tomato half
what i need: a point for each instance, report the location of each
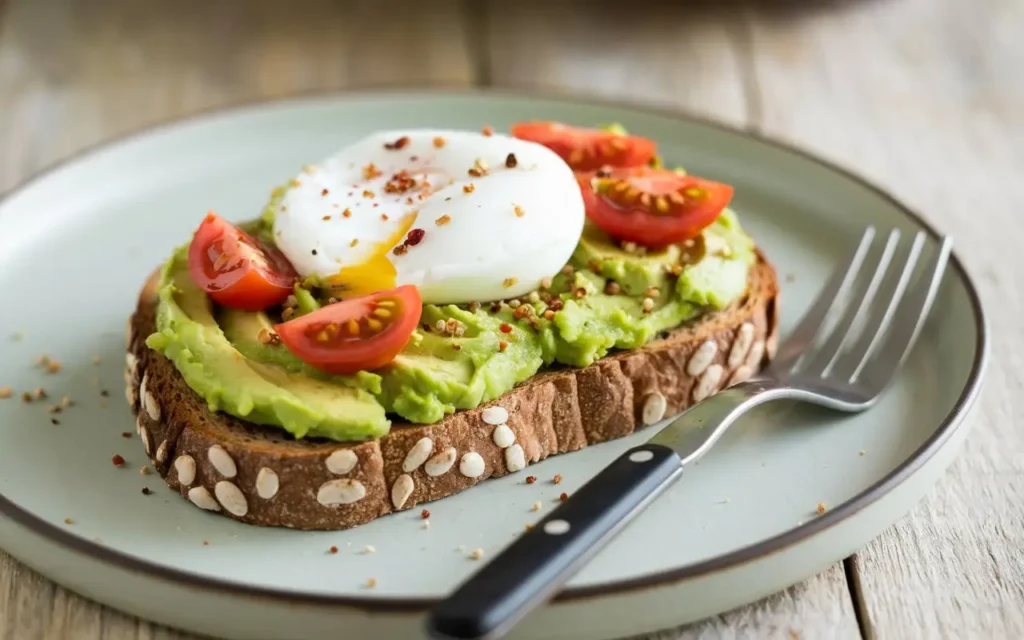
(588, 149)
(357, 334)
(652, 207)
(236, 269)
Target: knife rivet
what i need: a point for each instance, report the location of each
(556, 527)
(641, 456)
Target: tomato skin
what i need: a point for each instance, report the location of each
(652, 207)
(588, 149)
(237, 270)
(325, 340)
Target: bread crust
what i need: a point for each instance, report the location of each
(260, 476)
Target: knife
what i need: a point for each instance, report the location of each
(535, 565)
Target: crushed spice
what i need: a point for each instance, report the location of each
(439, 142)
(117, 460)
(557, 479)
(401, 143)
(510, 161)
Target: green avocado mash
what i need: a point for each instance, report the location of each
(606, 298)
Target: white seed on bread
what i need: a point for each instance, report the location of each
(741, 345)
(654, 408)
(401, 490)
(756, 355)
(515, 458)
(495, 415)
(131, 366)
(341, 491)
(149, 400)
(202, 499)
(472, 465)
(138, 425)
(186, 467)
(708, 383)
(503, 436)
(418, 454)
(222, 461)
(267, 483)
(441, 463)
(702, 358)
(144, 436)
(129, 332)
(161, 452)
(771, 345)
(130, 394)
(231, 498)
(739, 375)
(342, 461)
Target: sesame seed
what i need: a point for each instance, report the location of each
(5, 392)
(65, 402)
(537, 506)
(514, 303)
(354, 242)
(519, 211)
(69, 521)
(648, 305)
(144, 470)
(369, 549)
(425, 525)
(821, 508)
(443, 220)
(557, 479)
(371, 583)
(477, 554)
(53, 366)
(509, 282)
(653, 292)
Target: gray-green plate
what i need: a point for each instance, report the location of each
(77, 242)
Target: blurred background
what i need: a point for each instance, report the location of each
(924, 97)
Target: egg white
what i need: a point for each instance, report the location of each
(483, 250)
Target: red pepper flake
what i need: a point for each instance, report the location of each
(415, 237)
(401, 182)
(401, 143)
(443, 220)
(368, 194)
(479, 168)
(424, 514)
(531, 479)
(324, 192)
(347, 213)
(439, 142)
(332, 550)
(384, 217)
(488, 131)
(502, 345)
(505, 327)
(326, 218)
(510, 161)
(117, 460)
(557, 479)
(563, 497)
(127, 435)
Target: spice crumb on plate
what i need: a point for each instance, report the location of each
(477, 553)
(821, 508)
(371, 583)
(69, 521)
(425, 525)
(333, 549)
(557, 479)
(6, 392)
(369, 549)
(146, 491)
(537, 506)
(144, 470)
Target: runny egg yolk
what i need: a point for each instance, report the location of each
(376, 272)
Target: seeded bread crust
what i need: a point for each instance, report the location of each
(260, 476)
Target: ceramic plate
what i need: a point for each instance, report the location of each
(78, 241)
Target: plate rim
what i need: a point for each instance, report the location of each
(744, 555)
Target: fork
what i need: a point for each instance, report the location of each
(844, 352)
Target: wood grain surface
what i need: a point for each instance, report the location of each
(924, 98)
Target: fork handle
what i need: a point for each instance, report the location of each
(543, 558)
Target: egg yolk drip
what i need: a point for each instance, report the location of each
(376, 273)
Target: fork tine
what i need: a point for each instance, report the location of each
(826, 356)
(908, 321)
(834, 290)
(852, 363)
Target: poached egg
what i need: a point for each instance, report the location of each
(461, 215)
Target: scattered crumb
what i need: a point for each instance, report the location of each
(42, 361)
(821, 508)
(104, 393)
(5, 392)
(53, 366)
(563, 497)
(790, 277)
(371, 583)
(477, 553)
(69, 521)
(65, 402)
(537, 506)
(96, 360)
(531, 479)
(144, 470)
(56, 408)
(146, 491)
(333, 549)
(460, 548)
(425, 525)
(861, 452)
(724, 501)
(529, 526)
(206, 543)
(126, 435)
(26, 397)
(55, 421)
(557, 479)
(794, 635)
(369, 549)
(118, 460)
(424, 514)
(39, 394)
(17, 336)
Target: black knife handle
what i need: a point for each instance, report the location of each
(541, 560)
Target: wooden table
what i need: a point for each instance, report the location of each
(926, 98)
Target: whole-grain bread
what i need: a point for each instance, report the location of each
(261, 476)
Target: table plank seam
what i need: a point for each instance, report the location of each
(476, 21)
(753, 99)
(855, 588)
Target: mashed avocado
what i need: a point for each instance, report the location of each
(606, 298)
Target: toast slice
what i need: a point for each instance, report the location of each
(262, 476)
